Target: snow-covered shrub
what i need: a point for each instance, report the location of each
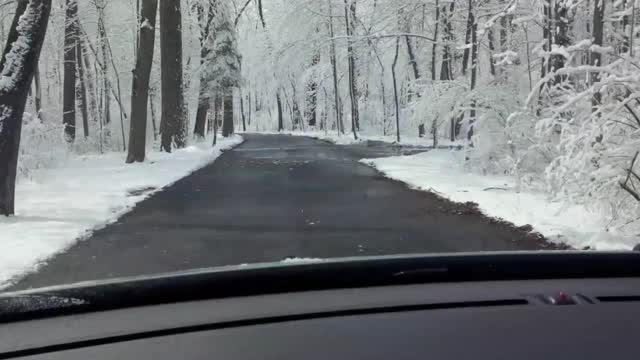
(42, 146)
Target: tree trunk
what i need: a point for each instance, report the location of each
(140, 87)
(227, 119)
(434, 47)
(29, 33)
(38, 92)
(172, 122)
(82, 89)
(312, 95)
(244, 120)
(106, 96)
(153, 114)
(69, 87)
(334, 67)
(492, 51)
(412, 58)
(467, 38)
(626, 39)
(355, 122)
(395, 89)
(446, 69)
(201, 115)
(216, 117)
(474, 72)
(203, 98)
(91, 86)
(596, 57)
(280, 119)
(561, 38)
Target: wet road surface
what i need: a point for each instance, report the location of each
(274, 197)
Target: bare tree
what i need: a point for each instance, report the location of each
(172, 122)
(467, 36)
(227, 118)
(334, 68)
(82, 89)
(104, 53)
(205, 18)
(69, 87)
(312, 95)
(19, 59)
(141, 76)
(598, 35)
(38, 92)
(446, 69)
(395, 88)
(280, 119)
(434, 46)
(348, 13)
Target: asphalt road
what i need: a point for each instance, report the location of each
(275, 197)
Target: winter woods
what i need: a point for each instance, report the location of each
(105, 67)
(546, 91)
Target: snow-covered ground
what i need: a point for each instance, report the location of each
(348, 138)
(66, 203)
(442, 171)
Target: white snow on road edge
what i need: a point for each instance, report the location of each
(443, 172)
(87, 192)
(348, 139)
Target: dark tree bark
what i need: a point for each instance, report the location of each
(102, 35)
(216, 117)
(203, 97)
(227, 119)
(560, 37)
(38, 92)
(69, 86)
(30, 35)
(312, 95)
(492, 51)
(244, 120)
(172, 122)
(434, 47)
(334, 68)
(446, 69)
(280, 119)
(412, 58)
(141, 76)
(91, 86)
(598, 37)
(474, 74)
(82, 89)
(395, 89)
(201, 117)
(467, 37)
(503, 33)
(296, 115)
(355, 121)
(153, 114)
(626, 39)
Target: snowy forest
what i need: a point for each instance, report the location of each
(546, 92)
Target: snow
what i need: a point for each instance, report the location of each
(443, 172)
(348, 139)
(65, 204)
(297, 260)
(146, 24)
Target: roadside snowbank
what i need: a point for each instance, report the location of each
(86, 192)
(442, 172)
(348, 139)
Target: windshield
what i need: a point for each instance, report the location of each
(139, 137)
